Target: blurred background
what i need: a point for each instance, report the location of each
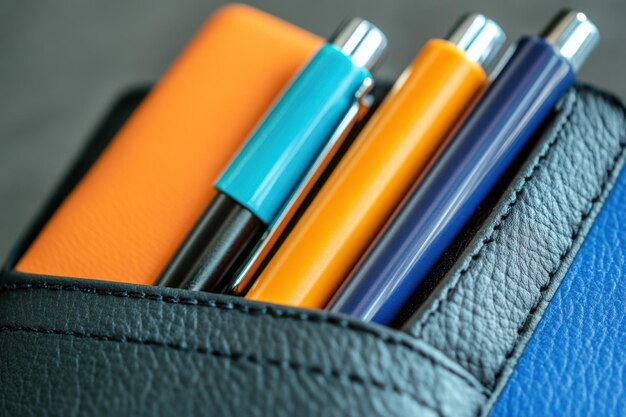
(64, 63)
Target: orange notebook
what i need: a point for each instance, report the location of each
(127, 216)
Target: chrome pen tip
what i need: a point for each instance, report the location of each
(360, 40)
(479, 37)
(573, 35)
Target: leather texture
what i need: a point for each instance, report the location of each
(77, 347)
(486, 308)
(100, 138)
(73, 347)
(575, 363)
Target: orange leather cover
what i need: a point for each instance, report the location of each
(127, 216)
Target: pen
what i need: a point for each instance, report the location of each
(537, 74)
(293, 138)
(380, 166)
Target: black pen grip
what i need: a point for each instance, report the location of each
(216, 247)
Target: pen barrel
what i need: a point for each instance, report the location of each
(530, 84)
(281, 149)
(372, 177)
(215, 248)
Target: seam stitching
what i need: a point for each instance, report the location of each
(525, 325)
(446, 297)
(254, 311)
(233, 356)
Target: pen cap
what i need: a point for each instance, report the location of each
(361, 41)
(479, 37)
(573, 35)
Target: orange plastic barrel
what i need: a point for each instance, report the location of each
(127, 216)
(376, 172)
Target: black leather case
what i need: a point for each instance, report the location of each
(73, 347)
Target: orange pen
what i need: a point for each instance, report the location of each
(379, 168)
(128, 214)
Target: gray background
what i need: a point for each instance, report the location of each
(64, 62)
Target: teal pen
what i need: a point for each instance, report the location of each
(285, 153)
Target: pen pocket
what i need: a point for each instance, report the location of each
(84, 347)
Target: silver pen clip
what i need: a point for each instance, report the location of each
(251, 267)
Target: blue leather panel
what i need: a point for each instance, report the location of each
(575, 364)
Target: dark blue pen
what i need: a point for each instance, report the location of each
(535, 77)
